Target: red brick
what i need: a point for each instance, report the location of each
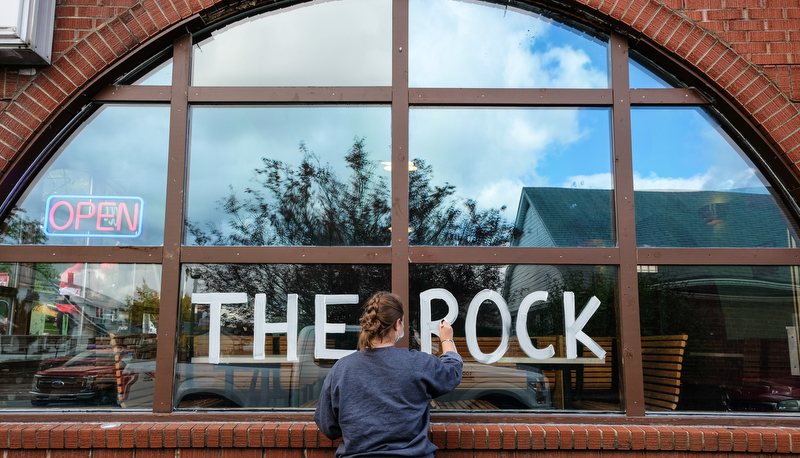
(467, 439)
(726, 14)
(594, 437)
(651, 439)
(451, 435)
(438, 435)
(85, 436)
(156, 435)
(723, 63)
(769, 110)
(748, 24)
(702, 4)
(133, 25)
(226, 435)
(783, 441)
(240, 435)
(565, 437)
(551, 439)
(112, 453)
(269, 436)
(635, 8)
(781, 3)
(296, 435)
(783, 24)
(494, 437)
(650, 9)
(481, 436)
(658, 21)
(120, 29)
(609, 437)
(743, 3)
(171, 435)
(509, 437)
(252, 453)
(73, 23)
(111, 435)
(524, 437)
(282, 435)
(668, 29)
(144, 19)
(169, 10)
(65, 81)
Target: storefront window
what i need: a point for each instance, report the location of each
(738, 327)
(105, 186)
(696, 188)
(545, 367)
(320, 43)
(513, 48)
(68, 332)
(521, 177)
(289, 176)
(227, 358)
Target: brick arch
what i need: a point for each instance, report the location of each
(695, 46)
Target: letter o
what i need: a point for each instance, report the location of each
(53, 211)
(472, 322)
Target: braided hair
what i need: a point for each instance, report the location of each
(381, 312)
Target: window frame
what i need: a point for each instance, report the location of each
(626, 256)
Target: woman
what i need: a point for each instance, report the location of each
(378, 399)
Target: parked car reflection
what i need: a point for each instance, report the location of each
(88, 378)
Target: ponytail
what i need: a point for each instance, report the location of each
(381, 312)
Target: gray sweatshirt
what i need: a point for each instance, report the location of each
(379, 401)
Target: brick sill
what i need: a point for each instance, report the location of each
(505, 436)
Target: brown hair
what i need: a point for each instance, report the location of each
(381, 312)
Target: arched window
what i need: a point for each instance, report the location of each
(556, 194)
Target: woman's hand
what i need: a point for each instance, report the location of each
(445, 330)
(446, 337)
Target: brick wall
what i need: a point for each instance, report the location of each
(245, 440)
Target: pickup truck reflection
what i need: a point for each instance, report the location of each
(88, 377)
(240, 381)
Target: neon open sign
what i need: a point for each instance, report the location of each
(94, 216)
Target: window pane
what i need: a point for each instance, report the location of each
(499, 372)
(466, 44)
(217, 365)
(66, 330)
(696, 188)
(521, 177)
(320, 43)
(644, 74)
(105, 186)
(739, 326)
(289, 176)
(159, 76)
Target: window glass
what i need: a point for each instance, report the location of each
(522, 177)
(491, 306)
(696, 188)
(105, 186)
(720, 338)
(68, 333)
(224, 361)
(471, 44)
(159, 76)
(289, 176)
(320, 43)
(642, 76)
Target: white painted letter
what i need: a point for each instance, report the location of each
(323, 328)
(522, 327)
(261, 327)
(429, 325)
(573, 329)
(472, 322)
(215, 300)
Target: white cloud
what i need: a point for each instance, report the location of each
(333, 43)
(461, 44)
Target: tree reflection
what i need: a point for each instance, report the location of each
(309, 205)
